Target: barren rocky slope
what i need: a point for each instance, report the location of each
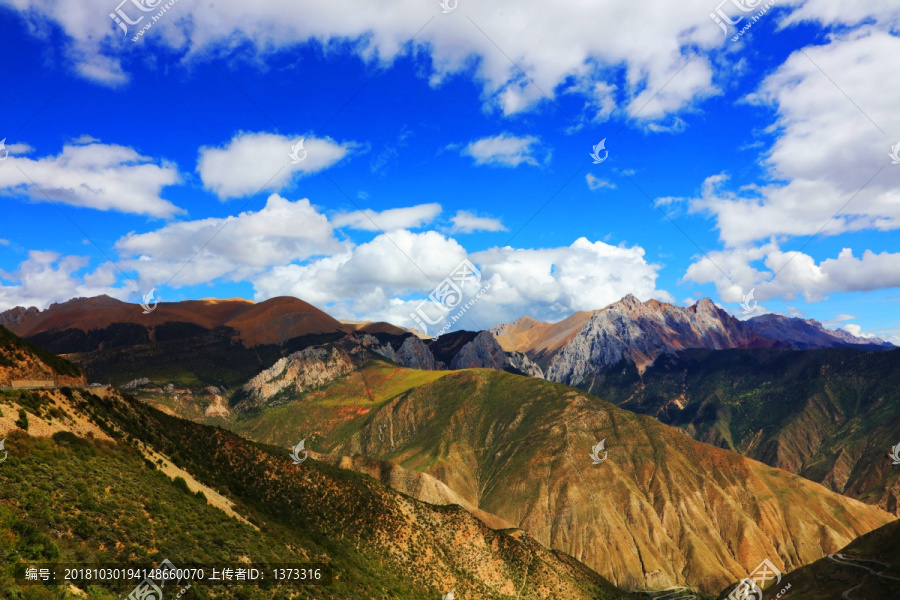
(661, 510)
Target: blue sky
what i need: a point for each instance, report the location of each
(125, 158)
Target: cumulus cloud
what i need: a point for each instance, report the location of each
(505, 150)
(387, 278)
(253, 162)
(362, 280)
(46, 277)
(234, 248)
(828, 149)
(579, 44)
(467, 222)
(793, 274)
(410, 217)
(93, 175)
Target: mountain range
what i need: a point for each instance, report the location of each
(87, 478)
(661, 510)
(582, 346)
(197, 335)
(721, 442)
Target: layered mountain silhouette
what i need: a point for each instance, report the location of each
(199, 334)
(470, 419)
(114, 480)
(830, 415)
(661, 509)
(581, 347)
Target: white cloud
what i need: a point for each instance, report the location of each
(828, 147)
(504, 150)
(360, 281)
(380, 281)
(598, 183)
(856, 330)
(254, 162)
(46, 277)
(568, 42)
(410, 217)
(235, 248)
(466, 222)
(798, 275)
(101, 176)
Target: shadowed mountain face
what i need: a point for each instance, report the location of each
(828, 415)
(579, 348)
(23, 363)
(95, 484)
(803, 334)
(660, 509)
(866, 569)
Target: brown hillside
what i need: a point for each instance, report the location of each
(22, 364)
(271, 321)
(662, 510)
(530, 335)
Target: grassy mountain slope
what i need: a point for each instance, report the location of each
(829, 415)
(96, 496)
(662, 510)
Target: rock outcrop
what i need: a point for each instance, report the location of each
(483, 352)
(640, 332)
(411, 352)
(298, 372)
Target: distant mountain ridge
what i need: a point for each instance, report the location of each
(802, 334)
(240, 332)
(582, 346)
(272, 321)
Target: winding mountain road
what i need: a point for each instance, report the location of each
(854, 562)
(675, 593)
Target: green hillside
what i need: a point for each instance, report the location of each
(828, 415)
(69, 498)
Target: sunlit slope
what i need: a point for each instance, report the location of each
(72, 499)
(867, 569)
(662, 509)
(329, 415)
